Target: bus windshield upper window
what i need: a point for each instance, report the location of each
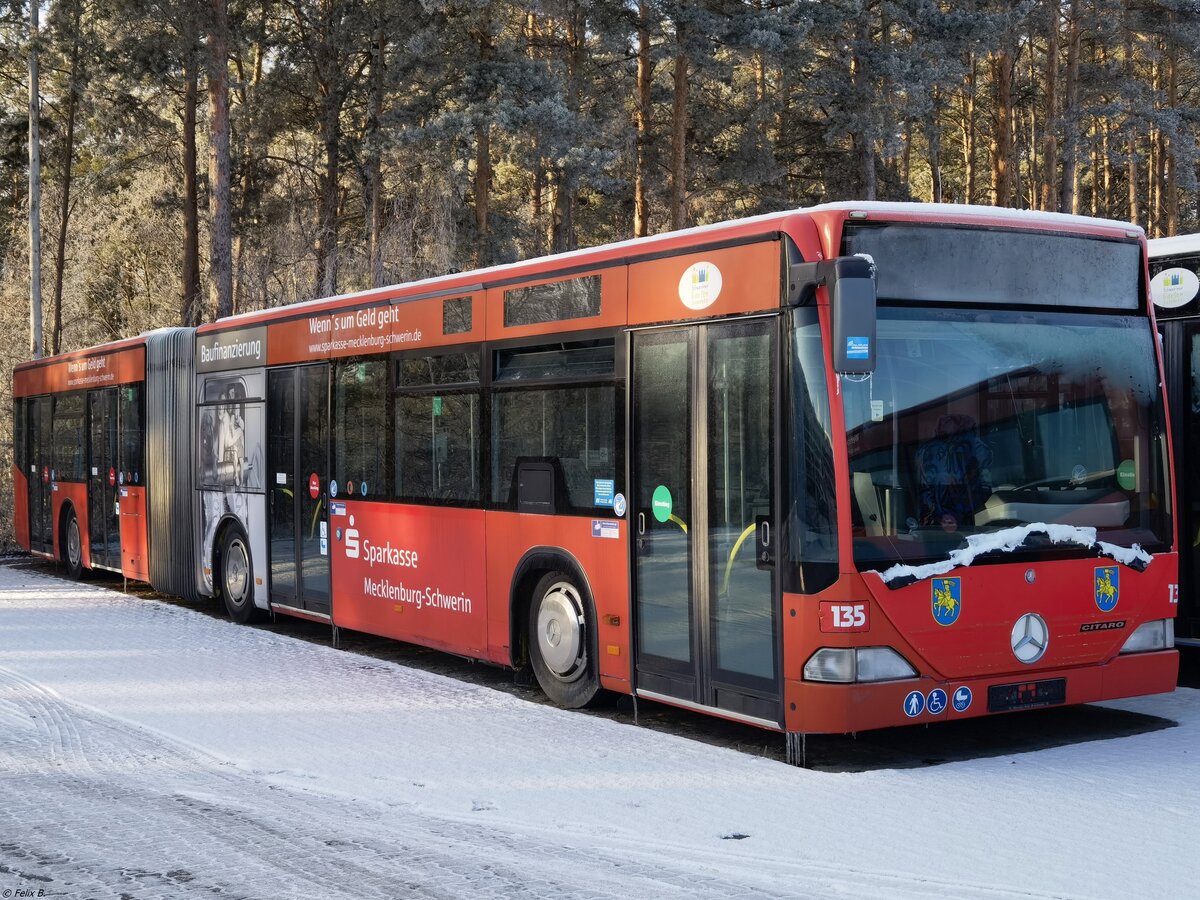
(956, 264)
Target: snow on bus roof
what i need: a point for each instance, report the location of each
(471, 278)
(957, 210)
(1168, 246)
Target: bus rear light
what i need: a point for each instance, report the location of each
(846, 665)
(1156, 635)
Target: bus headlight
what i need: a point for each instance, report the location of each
(1156, 635)
(846, 665)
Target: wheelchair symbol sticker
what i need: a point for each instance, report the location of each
(937, 701)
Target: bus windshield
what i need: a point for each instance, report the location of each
(976, 421)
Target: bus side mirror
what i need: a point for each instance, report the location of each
(851, 284)
(852, 312)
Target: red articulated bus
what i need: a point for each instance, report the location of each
(822, 471)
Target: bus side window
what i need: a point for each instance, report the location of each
(557, 403)
(437, 428)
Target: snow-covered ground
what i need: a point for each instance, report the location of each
(150, 750)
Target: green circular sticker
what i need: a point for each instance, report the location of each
(1126, 475)
(660, 504)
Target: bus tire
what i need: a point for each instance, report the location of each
(72, 546)
(235, 576)
(562, 645)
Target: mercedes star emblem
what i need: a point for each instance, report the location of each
(1030, 637)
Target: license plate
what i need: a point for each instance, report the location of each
(1027, 695)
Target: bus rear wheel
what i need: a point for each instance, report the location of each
(562, 642)
(235, 577)
(73, 547)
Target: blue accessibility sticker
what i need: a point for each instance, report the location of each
(962, 699)
(914, 704)
(936, 702)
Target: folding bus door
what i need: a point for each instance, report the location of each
(298, 470)
(41, 475)
(703, 463)
(104, 524)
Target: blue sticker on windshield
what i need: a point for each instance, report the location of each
(603, 490)
(858, 348)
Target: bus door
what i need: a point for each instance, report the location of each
(104, 523)
(298, 480)
(703, 470)
(41, 474)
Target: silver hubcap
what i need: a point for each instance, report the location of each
(560, 631)
(74, 549)
(237, 573)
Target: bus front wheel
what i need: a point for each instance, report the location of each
(235, 577)
(562, 642)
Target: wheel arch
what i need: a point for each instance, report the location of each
(536, 562)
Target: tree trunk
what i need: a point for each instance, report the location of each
(375, 158)
(537, 190)
(1172, 177)
(1050, 137)
(482, 184)
(933, 139)
(1131, 166)
(863, 141)
(190, 303)
(35, 191)
(327, 185)
(60, 253)
(1069, 196)
(567, 177)
(1001, 144)
(645, 72)
(679, 128)
(968, 129)
(221, 229)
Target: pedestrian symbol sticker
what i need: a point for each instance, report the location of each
(962, 699)
(937, 701)
(914, 704)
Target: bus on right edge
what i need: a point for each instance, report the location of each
(1175, 289)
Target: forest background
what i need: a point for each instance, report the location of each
(203, 157)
